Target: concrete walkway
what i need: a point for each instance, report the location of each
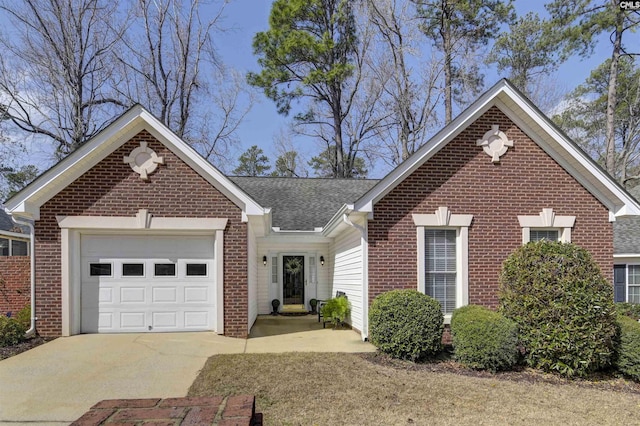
(57, 382)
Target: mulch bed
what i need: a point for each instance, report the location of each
(606, 380)
(9, 351)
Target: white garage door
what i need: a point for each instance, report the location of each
(147, 283)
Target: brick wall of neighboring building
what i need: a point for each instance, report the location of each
(14, 283)
(111, 188)
(463, 178)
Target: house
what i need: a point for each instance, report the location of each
(14, 265)
(135, 232)
(626, 256)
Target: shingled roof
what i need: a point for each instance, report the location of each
(626, 231)
(6, 224)
(302, 204)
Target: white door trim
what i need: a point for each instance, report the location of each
(73, 226)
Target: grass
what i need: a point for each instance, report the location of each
(353, 389)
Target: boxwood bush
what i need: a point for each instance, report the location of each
(628, 356)
(631, 310)
(11, 331)
(484, 339)
(406, 324)
(563, 307)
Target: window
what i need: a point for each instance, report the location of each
(443, 257)
(441, 267)
(165, 270)
(546, 225)
(100, 269)
(196, 269)
(133, 269)
(274, 269)
(633, 295)
(4, 247)
(543, 234)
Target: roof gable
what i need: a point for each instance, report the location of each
(28, 201)
(538, 128)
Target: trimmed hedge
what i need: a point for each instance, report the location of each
(563, 307)
(24, 316)
(631, 310)
(628, 356)
(484, 339)
(11, 331)
(406, 324)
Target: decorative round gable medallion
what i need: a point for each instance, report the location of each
(143, 160)
(495, 143)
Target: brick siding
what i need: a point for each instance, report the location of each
(14, 283)
(463, 178)
(111, 188)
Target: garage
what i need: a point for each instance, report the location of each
(147, 283)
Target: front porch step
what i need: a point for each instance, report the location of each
(293, 309)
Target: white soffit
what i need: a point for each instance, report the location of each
(28, 201)
(538, 127)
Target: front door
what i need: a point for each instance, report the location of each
(293, 280)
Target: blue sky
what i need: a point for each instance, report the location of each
(246, 17)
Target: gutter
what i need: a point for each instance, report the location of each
(32, 255)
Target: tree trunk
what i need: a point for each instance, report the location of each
(612, 96)
(445, 33)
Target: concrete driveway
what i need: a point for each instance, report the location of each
(57, 382)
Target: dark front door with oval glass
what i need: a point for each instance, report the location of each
(293, 280)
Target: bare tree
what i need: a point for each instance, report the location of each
(173, 70)
(458, 28)
(410, 97)
(55, 71)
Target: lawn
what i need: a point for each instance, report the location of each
(354, 389)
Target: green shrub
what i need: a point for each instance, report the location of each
(336, 310)
(563, 307)
(484, 339)
(24, 317)
(628, 354)
(11, 331)
(629, 309)
(406, 324)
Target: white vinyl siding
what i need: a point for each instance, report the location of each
(633, 286)
(252, 266)
(441, 271)
(347, 271)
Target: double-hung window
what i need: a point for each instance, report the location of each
(633, 285)
(441, 270)
(443, 258)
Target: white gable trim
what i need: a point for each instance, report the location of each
(28, 201)
(538, 127)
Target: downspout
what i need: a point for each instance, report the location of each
(365, 274)
(32, 251)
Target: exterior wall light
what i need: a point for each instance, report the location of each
(264, 260)
(322, 260)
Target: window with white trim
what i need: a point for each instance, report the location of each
(441, 267)
(443, 257)
(633, 283)
(546, 225)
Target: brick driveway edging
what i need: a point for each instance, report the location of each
(233, 410)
